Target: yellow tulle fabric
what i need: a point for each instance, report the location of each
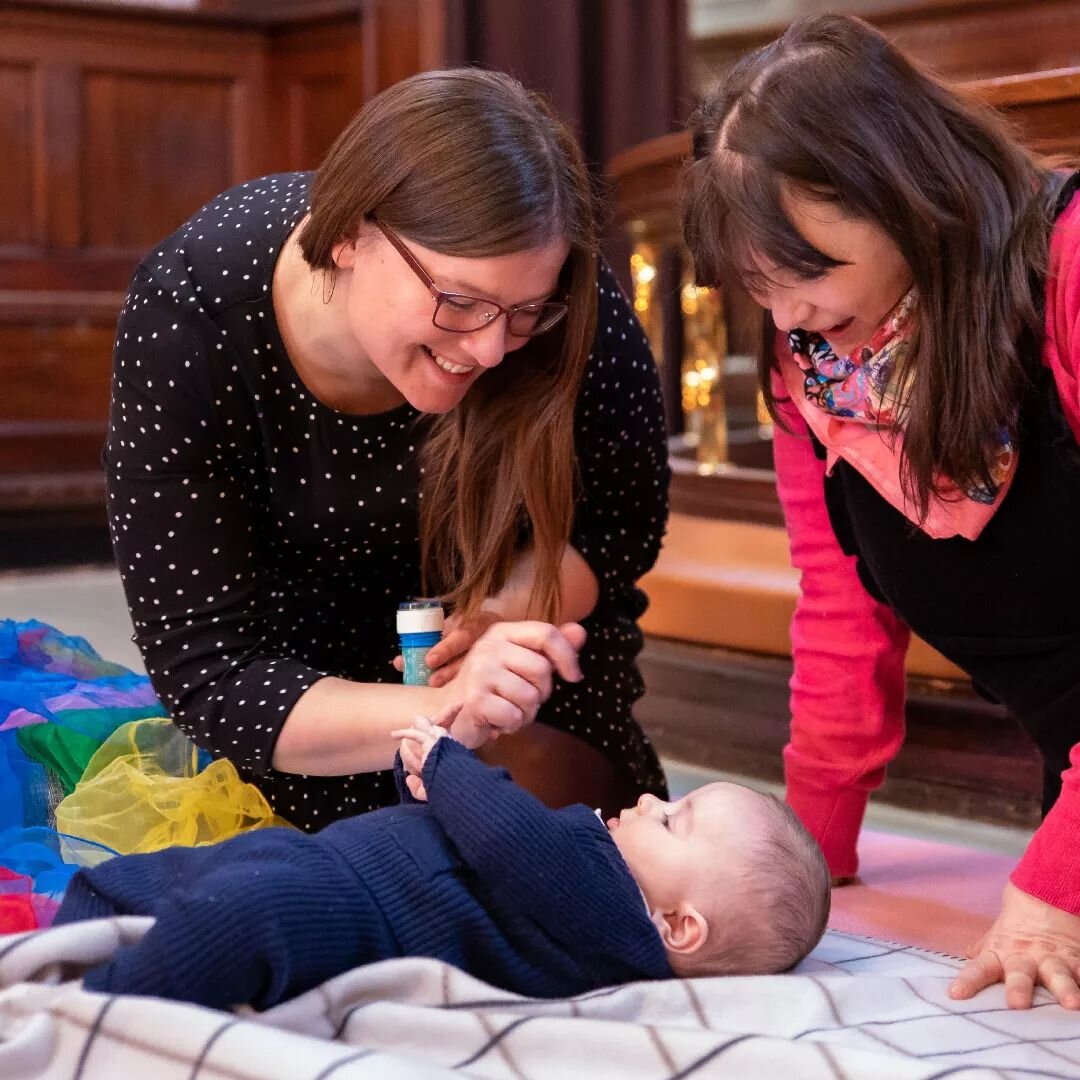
(142, 792)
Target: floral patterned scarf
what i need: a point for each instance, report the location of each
(864, 387)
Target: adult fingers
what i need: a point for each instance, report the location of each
(447, 716)
(550, 641)
(446, 672)
(523, 694)
(978, 973)
(1021, 975)
(505, 702)
(1057, 977)
(455, 643)
(575, 633)
(532, 667)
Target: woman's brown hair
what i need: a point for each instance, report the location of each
(832, 111)
(469, 163)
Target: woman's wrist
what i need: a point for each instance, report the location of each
(338, 727)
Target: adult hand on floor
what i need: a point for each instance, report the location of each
(1030, 944)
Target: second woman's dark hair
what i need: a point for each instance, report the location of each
(832, 111)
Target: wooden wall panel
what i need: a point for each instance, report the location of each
(134, 123)
(19, 222)
(969, 39)
(1044, 106)
(117, 121)
(990, 39)
(316, 88)
(55, 372)
(154, 149)
(402, 37)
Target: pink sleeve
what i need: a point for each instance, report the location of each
(847, 690)
(1050, 868)
(1061, 350)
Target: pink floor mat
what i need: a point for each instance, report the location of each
(920, 892)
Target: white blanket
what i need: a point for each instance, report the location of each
(855, 1008)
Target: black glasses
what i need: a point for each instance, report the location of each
(462, 314)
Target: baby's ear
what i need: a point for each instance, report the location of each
(683, 930)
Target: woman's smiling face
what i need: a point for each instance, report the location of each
(388, 312)
(846, 304)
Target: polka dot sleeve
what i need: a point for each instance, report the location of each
(622, 453)
(183, 528)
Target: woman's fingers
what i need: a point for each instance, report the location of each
(1032, 943)
(446, 673)
(454, 644)
(458, 638)
(532, 667)
(1021, 975)
(445, 718)
(508, 674)
(559, 645)
(575, 633)
(1061, 981)
(511, 702)
(978, 973)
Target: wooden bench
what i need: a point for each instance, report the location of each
(731, 584)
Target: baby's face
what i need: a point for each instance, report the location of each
(674, 849)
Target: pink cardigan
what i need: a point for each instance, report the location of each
(847, 692)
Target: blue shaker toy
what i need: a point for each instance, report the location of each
(419, 627)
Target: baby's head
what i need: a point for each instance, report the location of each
(734, 882)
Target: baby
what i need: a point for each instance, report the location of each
(473, 870)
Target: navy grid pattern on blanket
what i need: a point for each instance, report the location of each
(856, 1008)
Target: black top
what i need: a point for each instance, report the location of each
(1002, 607)
(265, 540)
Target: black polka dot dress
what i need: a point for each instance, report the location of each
(265, 540)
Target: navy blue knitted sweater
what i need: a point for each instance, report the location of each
(483, 876)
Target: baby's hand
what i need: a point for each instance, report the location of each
(417, 741)
(416, 744)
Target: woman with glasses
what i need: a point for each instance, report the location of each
(404, 375)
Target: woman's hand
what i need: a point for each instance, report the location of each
(446, 658)
(459, 636)
(1030, 944)
(507, 675)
